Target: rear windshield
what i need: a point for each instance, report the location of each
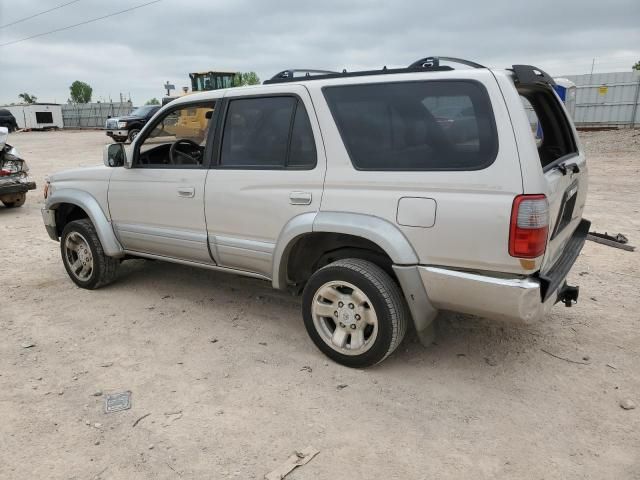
(428, 125)
(549, 125)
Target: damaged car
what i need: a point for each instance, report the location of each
(14, 174)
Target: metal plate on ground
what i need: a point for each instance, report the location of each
(117, 402)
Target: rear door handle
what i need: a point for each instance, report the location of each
(186, 192)
(300, 198)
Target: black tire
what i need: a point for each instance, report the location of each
(384, 295)
(133, 133)
(16, 203)
(104, 267)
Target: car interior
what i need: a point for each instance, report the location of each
(178, 139)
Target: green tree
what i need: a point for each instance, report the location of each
(80, 92)
(153, 101)
(246, 78)
(27, 98)
(636, 66)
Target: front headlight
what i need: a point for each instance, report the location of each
(122, 124)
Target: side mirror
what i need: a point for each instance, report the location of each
(114, 155)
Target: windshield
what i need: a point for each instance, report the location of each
(143, 111)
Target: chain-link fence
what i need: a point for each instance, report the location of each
(93, 115)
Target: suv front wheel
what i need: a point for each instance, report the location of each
(354, 312)
(83, 257)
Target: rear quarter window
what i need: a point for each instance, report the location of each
(426, 125)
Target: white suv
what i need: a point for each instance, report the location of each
(380, 196)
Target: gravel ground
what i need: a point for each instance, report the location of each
(232, 385)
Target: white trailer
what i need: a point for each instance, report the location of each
(37, 115)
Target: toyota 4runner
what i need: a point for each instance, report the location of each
(380, 196)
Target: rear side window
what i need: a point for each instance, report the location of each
(267, 133)
(429, 125)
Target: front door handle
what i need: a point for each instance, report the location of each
(300, 198)
(186, 192)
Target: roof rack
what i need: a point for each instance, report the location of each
(290, 73)
(426, 63)
(430, 62)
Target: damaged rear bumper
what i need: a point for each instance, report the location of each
(511, 299)
(519, 299)
(10, 186)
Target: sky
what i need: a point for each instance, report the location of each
(136, 52)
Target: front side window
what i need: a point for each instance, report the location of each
(428, 125)
(267, 133)
(178, 139)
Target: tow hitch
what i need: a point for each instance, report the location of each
(568, 295)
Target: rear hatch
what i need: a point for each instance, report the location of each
(563, 164)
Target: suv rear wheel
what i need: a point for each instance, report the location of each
(354, 312)
(83, 257)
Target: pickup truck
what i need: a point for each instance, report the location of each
(126, 128)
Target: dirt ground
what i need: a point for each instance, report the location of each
(232, 385)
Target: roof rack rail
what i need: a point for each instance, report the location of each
(434, 62)
(427, 63)
(530, 75)
(290, 73)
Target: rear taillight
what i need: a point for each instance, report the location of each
(529, 226)
(4, 173)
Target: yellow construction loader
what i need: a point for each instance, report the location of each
(192, 122)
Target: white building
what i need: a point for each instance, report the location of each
(37, 115)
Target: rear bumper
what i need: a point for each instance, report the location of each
(519, 299)
(511, 299)
(10, 187)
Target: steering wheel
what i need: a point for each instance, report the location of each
(178, 157)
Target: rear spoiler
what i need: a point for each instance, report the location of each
(530, 75)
